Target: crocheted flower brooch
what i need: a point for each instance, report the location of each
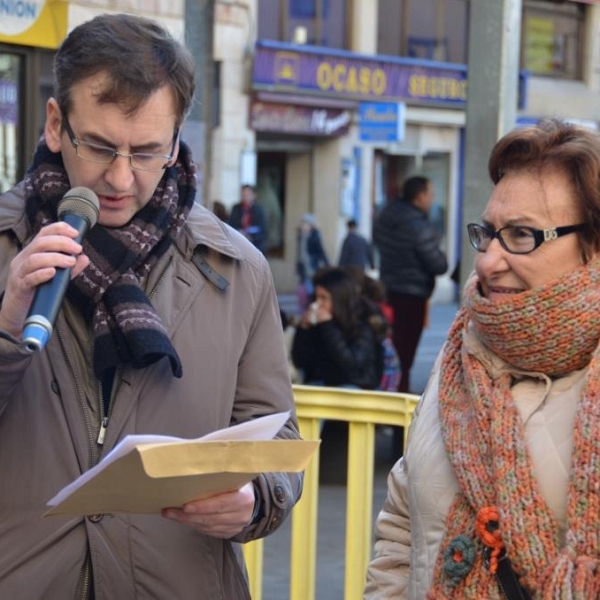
(459, 556)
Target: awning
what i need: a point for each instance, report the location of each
(39, 23)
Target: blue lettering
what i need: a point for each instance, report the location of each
(20, 9)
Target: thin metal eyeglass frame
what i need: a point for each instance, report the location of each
(77, 143)
(539, 235)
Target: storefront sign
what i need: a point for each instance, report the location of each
(382, 121)
(286, 67)
(303, 120)
(39, 23)
(16, 16)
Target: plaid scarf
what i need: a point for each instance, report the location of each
(553, 329)
(109, 292)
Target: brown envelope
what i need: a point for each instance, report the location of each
(154, 476)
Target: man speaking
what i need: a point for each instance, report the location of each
(169, 325)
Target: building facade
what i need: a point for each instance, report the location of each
(310, 105)
(325, 105)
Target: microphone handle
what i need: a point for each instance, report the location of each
(49, 296)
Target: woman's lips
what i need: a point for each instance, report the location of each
(499, 293)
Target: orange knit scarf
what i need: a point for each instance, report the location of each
(553, 329)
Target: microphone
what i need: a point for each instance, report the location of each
(80, 208)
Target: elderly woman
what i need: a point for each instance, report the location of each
(498, 493)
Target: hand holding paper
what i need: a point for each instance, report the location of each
(223, 515)
(144, 474)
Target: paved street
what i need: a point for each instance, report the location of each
(332, 499)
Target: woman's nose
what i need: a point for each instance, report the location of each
(492, 260)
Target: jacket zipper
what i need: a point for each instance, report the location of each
(93, 441)
(93, 456)
(105, 418)
(161, 277)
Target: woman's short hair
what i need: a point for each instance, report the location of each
(138, 55)
(550, 145)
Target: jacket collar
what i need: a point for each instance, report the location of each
(203, 228)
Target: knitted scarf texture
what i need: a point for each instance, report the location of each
(109, 291)
(553, 329)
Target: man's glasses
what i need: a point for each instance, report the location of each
(516, 239)
(105, 156)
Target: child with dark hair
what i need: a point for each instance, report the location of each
(335, 345)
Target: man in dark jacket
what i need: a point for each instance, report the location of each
(410, 260)
(249, 218)
(356, 249)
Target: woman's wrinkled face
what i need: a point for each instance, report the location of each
(541, 200)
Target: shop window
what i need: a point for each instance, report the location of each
(427, 29)
(313, 22)
(270, 194)
(552, 38)
(11, 89)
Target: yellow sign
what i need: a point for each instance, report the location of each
(540, 48)
(341, 77)
(40, 23)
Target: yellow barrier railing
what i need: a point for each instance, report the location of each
(362, 410)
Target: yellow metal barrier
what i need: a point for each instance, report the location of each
(362, 410)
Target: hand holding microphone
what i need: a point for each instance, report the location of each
(79, 208)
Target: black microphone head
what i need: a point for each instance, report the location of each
(80, 201)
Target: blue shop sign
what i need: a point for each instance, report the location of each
(382, 121)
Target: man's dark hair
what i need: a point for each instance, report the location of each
(247, 186)
(413, 187)
(351, 224)
(139, 57)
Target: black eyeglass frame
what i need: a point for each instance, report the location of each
(77, 143)
(539, 235)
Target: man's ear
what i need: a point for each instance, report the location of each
(175, 153)
(53, 127)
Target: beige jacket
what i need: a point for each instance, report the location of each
(422, 485)
(234, 369)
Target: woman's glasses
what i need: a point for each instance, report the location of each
(516, 239)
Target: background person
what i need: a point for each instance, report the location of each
(337, 344)
(497, 494)
(170, 326)
(410, 254)
(334, 344)
(311, 257)
(249, 218)
(356, 250)
(220, 210)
